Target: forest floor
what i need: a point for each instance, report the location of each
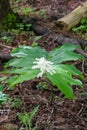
(61, 113)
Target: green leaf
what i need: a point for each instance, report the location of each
(20, 62)
(67, 56)
(26, 118)
(64, 53)
(32, 114)
(29, 75)
(26, 55)
(18, 70)
(62, 85)
(64, 48)
(71, 69)
(29, 51)
(1, 88)
(63, 79)
(83, 21)
(37, 38)
(3, 98)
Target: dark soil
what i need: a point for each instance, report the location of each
(59, 113)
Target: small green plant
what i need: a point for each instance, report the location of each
(9, 22)
(26, 119)
(3, 97)
(27, 10)
(17, 1)
(35, 62)
(8, 39)
(35, 42)
(82, 27)
(42, 85)
(28, 26)
(20, 27)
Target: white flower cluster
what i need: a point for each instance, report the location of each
(44, 66)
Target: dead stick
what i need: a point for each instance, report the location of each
(9, 47)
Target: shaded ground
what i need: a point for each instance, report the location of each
(61, 113)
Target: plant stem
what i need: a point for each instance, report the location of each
(51, 96)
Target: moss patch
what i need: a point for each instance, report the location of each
(8, 22)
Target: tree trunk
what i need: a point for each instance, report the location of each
(4, 9)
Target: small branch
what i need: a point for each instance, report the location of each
(9, 47)
(80, 111)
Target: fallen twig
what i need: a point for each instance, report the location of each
(3, 45)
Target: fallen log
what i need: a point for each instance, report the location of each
(73, 18)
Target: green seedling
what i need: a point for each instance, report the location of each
(36, 39)
(3, 97)
(9, 22)
(26, 119)
(82, 27)
(26, 11)
(8, 39)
